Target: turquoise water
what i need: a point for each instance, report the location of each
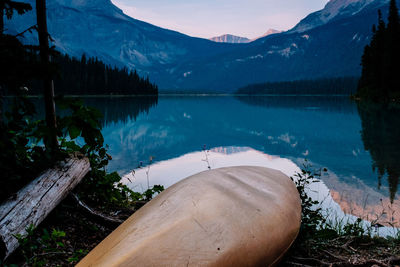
(330, 132)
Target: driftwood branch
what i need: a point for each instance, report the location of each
(35, 201)
(95, 214)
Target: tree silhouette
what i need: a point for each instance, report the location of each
(327, 86)
(8, 7)
(392, 50)
(12, 53)
(381, 134)
(380, 62)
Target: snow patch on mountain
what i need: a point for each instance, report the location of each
(228, 38)
(332, 10)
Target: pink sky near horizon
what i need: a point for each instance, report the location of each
(209, 18)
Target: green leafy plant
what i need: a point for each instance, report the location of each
(312, 218)
(34, 247)
(20, 158)
(149, 193)
(77, 255)
(98, 187)
(354, 229)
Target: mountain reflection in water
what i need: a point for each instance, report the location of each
(358, 144)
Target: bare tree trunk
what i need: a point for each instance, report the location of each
(48, 85)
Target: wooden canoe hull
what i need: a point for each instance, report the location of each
(236, 216)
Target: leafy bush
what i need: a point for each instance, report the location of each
(33, 247)
(98, 186)
(312, 218)
(314, 223)
(354, 229)
(21, 158)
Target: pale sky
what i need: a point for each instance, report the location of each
(209, 18)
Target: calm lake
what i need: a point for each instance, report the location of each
(358, 144)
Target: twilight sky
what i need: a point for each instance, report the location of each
(209, 18)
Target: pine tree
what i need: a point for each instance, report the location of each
(8, 7)
(12, 52)
(380, 77)
(393, 19)
(392, 49)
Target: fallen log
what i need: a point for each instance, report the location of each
(34, 202)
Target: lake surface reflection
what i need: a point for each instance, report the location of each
(359, 145)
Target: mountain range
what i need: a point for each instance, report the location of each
(327, 43)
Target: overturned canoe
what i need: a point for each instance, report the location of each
(236, 216)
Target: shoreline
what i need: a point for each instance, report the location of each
(190, 95)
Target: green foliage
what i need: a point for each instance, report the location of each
(38, 249)
(98, 187)
(314, 224)
(21, 159)
(33, 247)
(24, 157)
(77, 255)
(83, 122)
(149, 193)
(354, 229)
(395, 240)
(312, 218)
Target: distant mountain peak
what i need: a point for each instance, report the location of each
(313, 49)
(269, 32)
(333, 9)
(229, 38)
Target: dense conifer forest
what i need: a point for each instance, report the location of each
(380, 80)
(328, 86)
(90, 76)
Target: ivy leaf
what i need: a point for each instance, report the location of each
(71, 145)
(74, 132)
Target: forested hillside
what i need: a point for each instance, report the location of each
(92, 77)
(332, 86)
